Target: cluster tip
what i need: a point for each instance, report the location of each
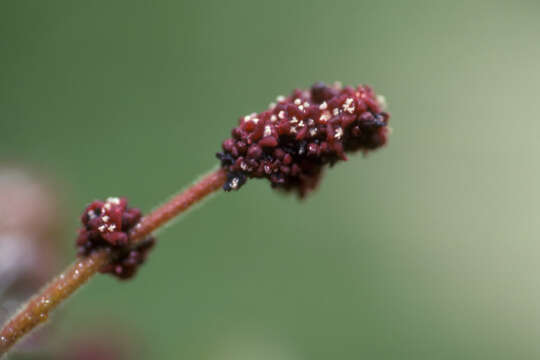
(291, 142)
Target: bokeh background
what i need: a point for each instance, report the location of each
(427, 249)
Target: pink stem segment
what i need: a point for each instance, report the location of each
(37, 309)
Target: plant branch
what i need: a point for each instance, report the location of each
(36, 311)
(179, 203)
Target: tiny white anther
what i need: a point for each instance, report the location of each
(281, 114)
(313, 132)
(310, 122)
(325, 117)
(348, 106)
(335, 111)
(234, 183)
(306, 104)
(280, 98)
(272, 105)
(297, 101)
(301, 123)
(301, 107)
(105, 218)
(273, 118)
(111, 228)
(255, 120)
(323, 106)
(293, 130)
(339, 133)
(102, 228)
(113, 200)
(294, 120)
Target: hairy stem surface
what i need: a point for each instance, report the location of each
(36, 311)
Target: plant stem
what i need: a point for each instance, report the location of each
(179, 203)
(37, 309)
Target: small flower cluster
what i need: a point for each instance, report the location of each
(292, 141)
(106, 224)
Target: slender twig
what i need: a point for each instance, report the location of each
(36, 311)
(179, 203)
(289, 144)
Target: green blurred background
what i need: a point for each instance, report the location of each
(427, 249)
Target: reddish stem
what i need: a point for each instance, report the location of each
(36, 311)
(179, 203)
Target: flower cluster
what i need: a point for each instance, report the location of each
(292, 141)
(106, 224)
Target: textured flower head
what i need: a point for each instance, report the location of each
(292, 141)
(106, 224)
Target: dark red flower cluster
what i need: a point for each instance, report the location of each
(106, 224)
(292, 141)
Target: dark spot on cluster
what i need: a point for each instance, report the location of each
(127, 260)
(106, 224)
(292, 141)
